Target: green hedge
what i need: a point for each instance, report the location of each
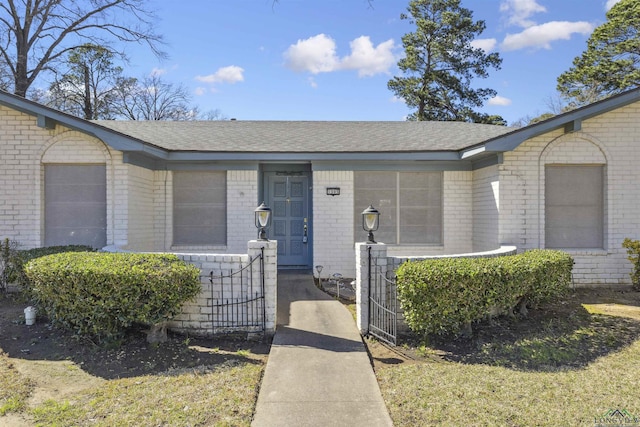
(447, 294)
(22, 258)
(100, 295)
(633, 251)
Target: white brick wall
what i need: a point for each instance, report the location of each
(139, 207)
(610, 139)
(200, 317)
(486, 191)
(333, 231)
(334, 228)
(458, 210)
(163, 210)
(24, 149)
(20, 175)
(140, 201)
(242, 191)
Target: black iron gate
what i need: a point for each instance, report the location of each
(383, 304)
(238, 298)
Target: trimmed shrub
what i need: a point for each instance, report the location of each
(633, 250)
(22, 258)
(446, 295)
(100, 295)
(8, 251)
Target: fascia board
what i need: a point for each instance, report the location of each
(271, 156)
(570, 121)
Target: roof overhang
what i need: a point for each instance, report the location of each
(147, 155)
(568, 122)
(48, 118)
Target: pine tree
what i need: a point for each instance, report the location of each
(440, 63)
(611, 63)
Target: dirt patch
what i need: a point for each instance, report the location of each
(60, 365)
(134, 357)
(566, 334)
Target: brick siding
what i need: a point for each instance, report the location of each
(610, 139)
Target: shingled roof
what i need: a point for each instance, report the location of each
(307, 136)
(454, 145)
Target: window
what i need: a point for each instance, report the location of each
(574, 206)
(410, 205)
(199, 208)
(75, 205)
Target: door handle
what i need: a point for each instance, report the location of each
(305, 239)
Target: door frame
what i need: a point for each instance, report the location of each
(303, 169)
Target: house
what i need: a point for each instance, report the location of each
(569, 182)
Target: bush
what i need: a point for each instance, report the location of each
(8, 267)
(447, 294)
(100, 295)
(22, 257)
(633, 250)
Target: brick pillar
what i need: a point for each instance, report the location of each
(270, 278)
(378, 250)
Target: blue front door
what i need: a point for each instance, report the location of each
(288, 197)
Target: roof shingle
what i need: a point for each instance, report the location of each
(306, 136)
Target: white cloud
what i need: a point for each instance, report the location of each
(317, 54)
(200, 91)
(231, 74)
(156, 72)
(312, 82)
(367, 59)
(610, 4)
(541, 36)
(519, 11)
(485, 44)
(499, 100)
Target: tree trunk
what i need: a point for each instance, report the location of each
(88, 110)
(157, 333)
(21, 81)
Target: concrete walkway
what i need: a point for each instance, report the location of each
(318, 373)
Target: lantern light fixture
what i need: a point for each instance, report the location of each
(262, 220)
(370, 222)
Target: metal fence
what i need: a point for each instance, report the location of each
(383, 304)
(238, 302)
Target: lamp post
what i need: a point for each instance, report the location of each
(370, 222)
(262, 220)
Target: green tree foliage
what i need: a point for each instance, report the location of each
(610, 64)
(440, 63)
(35, 34)
(87, 89)
(490, 119)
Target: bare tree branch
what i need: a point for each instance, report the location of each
(36, 33)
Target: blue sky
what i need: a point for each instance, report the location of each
(331, 59)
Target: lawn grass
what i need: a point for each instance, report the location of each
(450, 393)
(563, 368)
(14, 387)
(220, 395)
(224, 395)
